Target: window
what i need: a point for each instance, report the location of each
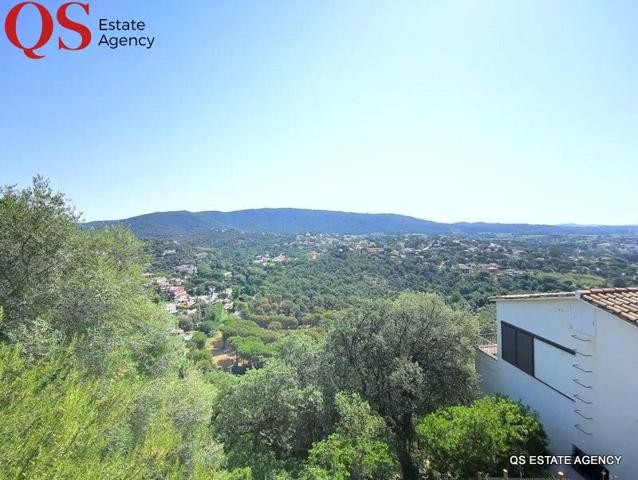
(508, 340)
(518, 348)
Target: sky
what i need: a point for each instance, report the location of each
(497, 111)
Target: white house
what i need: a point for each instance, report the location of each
(573, 358)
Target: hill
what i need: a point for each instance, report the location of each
(297, 221)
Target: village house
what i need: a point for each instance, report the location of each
(178, 293)
(171, 308)
(571, 357)
(161, 282)
(186, 269)
(492, 269)
(262, 259)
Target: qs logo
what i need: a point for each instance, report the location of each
(46, 27)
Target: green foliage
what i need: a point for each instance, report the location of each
(306, 355)
(92, 385)
(568, 281)
(59, 283)
(406, 358)
(487, 319)
(268, 418)
(89, 384)
(207, 327)
(252, 349)
(202, 360)
(186, 324)
(36, 228)
(237, 327)
(58, 422)
(358, 449)
(215, 313)
(464, 440)
(199, 340)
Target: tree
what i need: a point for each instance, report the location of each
(301, 352)
(267, 418)
(406, 358)
(202, 360)
(186, 323)
(464, 440)
(358, 449)
(251, 349)
(207, 327)
(60, 284)
(275, 326)
(198, 340)
(37, 229)
(215, 313)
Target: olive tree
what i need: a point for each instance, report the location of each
(60, 283)
(37, 231)
(268, 418)
(406, 357)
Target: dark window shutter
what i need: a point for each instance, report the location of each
(518, 348)
(525, 352)
(508, 343)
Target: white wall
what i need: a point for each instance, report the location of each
(551, 364)
(615, 392)
(610, 352)
(487, 367)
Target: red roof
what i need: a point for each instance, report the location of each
(622, 302)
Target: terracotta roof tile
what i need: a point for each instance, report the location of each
(619, 301)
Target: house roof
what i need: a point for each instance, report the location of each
(526, 296)
(618, 301)
(622, 302)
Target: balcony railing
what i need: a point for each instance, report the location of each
(488, 344)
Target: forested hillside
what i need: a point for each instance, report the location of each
(305, 281)
(97, 380)
(291, 221)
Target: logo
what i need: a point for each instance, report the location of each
(46, 27)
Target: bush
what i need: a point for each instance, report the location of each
(199, 340)
(357, 450)
(464, 440)
(57, 421)
(202, 359)
(207, 327)
(186, 324)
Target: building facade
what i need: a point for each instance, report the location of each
(573, 358)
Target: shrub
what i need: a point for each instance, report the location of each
(186, 324)
(199, 340)
(464, 440)
(207, 327)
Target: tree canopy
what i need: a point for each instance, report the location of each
(98, 381)
(464, 440)
(406, 358)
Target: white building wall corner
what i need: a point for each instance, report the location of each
(606, 392)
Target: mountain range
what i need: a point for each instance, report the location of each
(299, 221)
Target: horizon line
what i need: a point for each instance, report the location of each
(564, 224)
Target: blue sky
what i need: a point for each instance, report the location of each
(505, 111)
